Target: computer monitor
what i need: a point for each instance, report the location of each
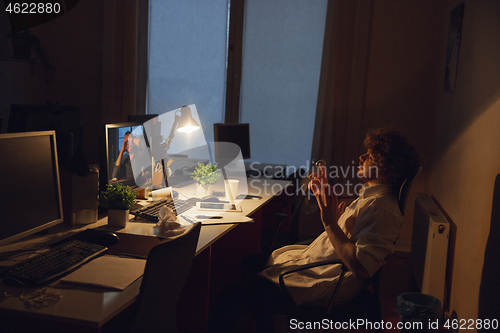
(139, 158)
(235, 133)
(30, 196)
(65, 120)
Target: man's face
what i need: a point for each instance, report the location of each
(127, 142)
(367, 170)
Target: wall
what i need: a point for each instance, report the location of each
(401, 76)
(465, 161)
(73, 43)
(458, 132)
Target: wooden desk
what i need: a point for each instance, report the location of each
(86, 309)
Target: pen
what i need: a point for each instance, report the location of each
(206, 217)
(129, 255)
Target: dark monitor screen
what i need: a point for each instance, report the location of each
(235, 133)
(30, 198)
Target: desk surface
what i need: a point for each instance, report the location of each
(92, 307)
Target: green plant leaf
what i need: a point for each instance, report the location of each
(206, 174)
(117, 196)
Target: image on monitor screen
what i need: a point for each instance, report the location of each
(126, 158)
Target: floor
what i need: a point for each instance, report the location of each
(397, 278)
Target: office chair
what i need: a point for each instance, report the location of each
(167, 268)
(363, 306)
(404, 190)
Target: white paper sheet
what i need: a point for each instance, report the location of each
(227, 218)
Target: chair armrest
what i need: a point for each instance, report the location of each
(307, 266)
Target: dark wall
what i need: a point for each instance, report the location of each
(73, 44)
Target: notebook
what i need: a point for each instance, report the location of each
(110, 272)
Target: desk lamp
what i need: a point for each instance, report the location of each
(184, 122)
(179, 120)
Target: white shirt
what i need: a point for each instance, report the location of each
(373, 221)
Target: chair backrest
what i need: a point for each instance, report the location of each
(405, 188)
(167, 268)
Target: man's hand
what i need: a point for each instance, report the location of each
(125, 143)
(331, 210)
(124, 148)
(330, 214)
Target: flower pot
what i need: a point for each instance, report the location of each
(118, 217)
(204, 190)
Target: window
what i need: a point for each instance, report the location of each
(187, 58)
(282, 49)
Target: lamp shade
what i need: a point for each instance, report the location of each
(186, 122)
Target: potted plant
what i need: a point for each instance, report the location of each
(118, 199)
(205, 175)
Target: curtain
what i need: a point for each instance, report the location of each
(125, 48)
(339, 132)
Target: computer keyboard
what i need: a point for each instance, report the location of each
(53, 264)
(150, 211)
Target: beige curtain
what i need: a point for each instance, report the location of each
(125, 54)
(338, 133)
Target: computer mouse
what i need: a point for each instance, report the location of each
(107, 238)
(100, 237)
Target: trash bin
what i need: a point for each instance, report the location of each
(419, 312)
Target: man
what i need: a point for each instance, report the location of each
(134, 167)
(362, 236)
(123, 168)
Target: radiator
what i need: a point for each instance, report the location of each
(429, 247)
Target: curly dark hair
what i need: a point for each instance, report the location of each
(395, 157)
